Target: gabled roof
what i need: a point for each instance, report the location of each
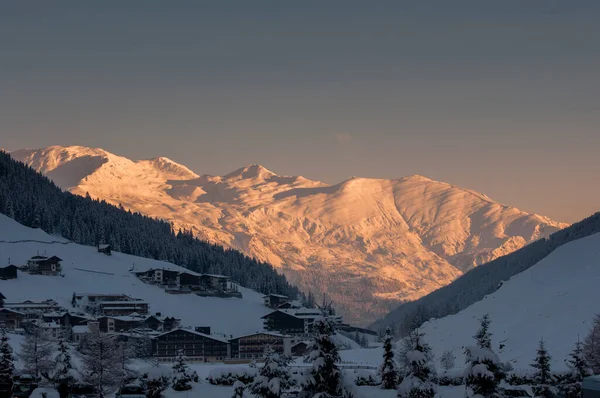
(13, 311)
(300, 313)
(2, 297)
(275, 295)
(274, 334)
(208, 336)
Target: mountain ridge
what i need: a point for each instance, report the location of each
(369, 243)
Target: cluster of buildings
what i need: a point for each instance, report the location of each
(287, 328)
(188, 282)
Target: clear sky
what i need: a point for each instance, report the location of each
(498, 96)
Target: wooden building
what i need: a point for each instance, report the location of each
(274, 300)
(105, 249)
(11, 319)
(253, 346)
(43, 265)
(196, 346)
(123, 308)
(8, 272)
(294, 322)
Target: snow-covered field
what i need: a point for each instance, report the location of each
(87, 271)
(556, 300)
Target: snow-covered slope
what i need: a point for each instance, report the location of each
(556, 300)
(87, 271)
(369, 243)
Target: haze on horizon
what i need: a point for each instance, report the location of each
(497, 97)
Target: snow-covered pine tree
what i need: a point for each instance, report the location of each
(61, 376)
(238, 389)
(101, 362)
(273, 378)
(182, 375)
(7, 365)
(324, 379)
(36, 352)
(542, 377)
(484, 370)
(420, 373)
(591, 346)
(570, 386)
(388, 371)
(447, 360)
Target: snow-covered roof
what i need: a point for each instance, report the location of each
(103, 247)
(80, 329)
(275, 295)
(11, 310)
(274, 334)
(208, 336)
(215, 276)
(113, 302)
(50, 325)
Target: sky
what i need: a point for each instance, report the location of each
(502, 97)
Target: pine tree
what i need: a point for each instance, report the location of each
(570, 386)
(484, 371)
(273, 378)
(61, 375)
(324, 379)
(7, 366)
(542, 377)
(591, 346)
(100, 359)
(36, 352)
(447, 360)
(182, 375)
(420, 374)
(388, 370)
(238, 389)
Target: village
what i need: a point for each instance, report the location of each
(287, 329)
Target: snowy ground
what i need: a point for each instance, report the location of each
(88, 271)
(556, 300)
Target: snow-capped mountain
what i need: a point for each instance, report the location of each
(556, 300)
(369, 243)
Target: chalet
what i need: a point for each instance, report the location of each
(160, 276)
(300, 348)
(214, 282)
(274, 300)
(110, 324)
(33, 309)
(8, 272)
(253, 346)
(110, 304)
(43, 265)
(50, 330)
(295, 321)
(196, 346)
(80, 332)
(11, 319)
(123, 308)
(105, 249)
(65, 319)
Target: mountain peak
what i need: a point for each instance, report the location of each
(251, 172)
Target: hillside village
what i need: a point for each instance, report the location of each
(286, 328)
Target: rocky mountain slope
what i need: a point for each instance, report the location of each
(369, 243)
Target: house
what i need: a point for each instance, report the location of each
(123, 308)
(295, 321)
(274, 300)
(110, 304)
(214, 282)
(253, 346)
(50, 330)
(196, 346)
(33, 309)
(80, 332)
(64, 318)
(110, 324)
(8, 272)
(171, 323)
(300, 348)
(11, 319)
(160, 276)
(106, 249)
(43, 265)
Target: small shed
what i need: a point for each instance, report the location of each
(106, 249)
(8, 272)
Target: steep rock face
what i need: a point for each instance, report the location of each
(368, 243)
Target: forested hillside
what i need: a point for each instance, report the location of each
(483, 280)
(33, 200)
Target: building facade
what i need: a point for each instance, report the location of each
(253, 346)
(196, 346)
